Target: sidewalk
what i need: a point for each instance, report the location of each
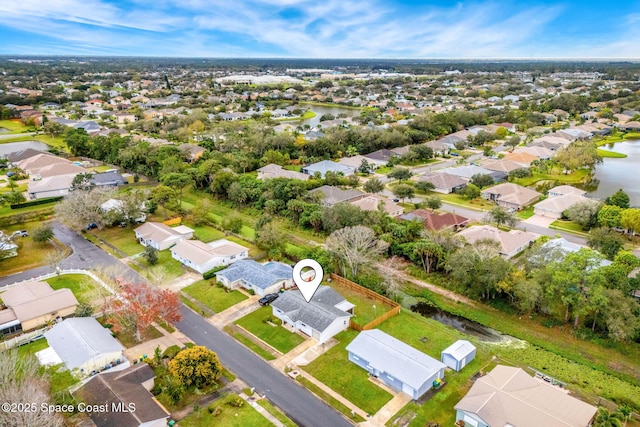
(283, 361)
(387, 411)
(148, 347)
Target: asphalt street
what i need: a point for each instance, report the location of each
(304, 408)
(85, 255)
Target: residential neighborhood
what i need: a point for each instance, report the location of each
(476, 227)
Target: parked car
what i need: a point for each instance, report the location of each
(92, 226)
(267, 299)
(396, 200)
(20, 233)
(454, 154)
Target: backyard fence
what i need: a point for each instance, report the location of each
(22, 339)
(395, 307)
(173, 221)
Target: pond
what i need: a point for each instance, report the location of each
(11, 147)
(463, 325)
(614, 174)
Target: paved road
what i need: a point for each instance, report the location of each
(297, 402)
(85, 255)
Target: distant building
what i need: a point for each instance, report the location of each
(328, 166)
(203, 257)
(511, 242)
(261, 278)
(161, 236)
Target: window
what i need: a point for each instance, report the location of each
(354, 357)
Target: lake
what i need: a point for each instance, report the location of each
(11, 147)
(624, 173)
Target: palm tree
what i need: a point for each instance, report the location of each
(604, 418)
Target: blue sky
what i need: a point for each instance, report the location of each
(323, 29)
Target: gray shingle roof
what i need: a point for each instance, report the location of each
(319, 313)
(256, 274)
(78, 339)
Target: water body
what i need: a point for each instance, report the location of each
(624, 173)
(321, 110)
(11, 147)
(463, 325)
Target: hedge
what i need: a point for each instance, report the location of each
(212, 273)
(36, 202)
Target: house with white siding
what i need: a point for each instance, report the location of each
(203, 257)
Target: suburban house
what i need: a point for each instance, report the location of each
(328, 166)
(33, 304)
(276, 171)
(85, 346)
(380, 157)
(8, 249)
(439, 148)
(53, 186)
(326, 314)
(108, 179)
(458, 355)
(395, 363)
(192, 151)
(444, 183)
(330, 195)
(511, 242)
(122, 390)
(118, 209)
(261, 278)
(356, 161)
(560, 199)
(521, 158)
(161, 236)
(203, 257)
(17, 156)
(511, 196)
(467, 172)
(434, 221)
(375, 202)
(501, 165)
(45, 165)
(557, 249)
(543, 153)
(508, 396)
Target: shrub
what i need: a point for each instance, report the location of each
(234, 400)
(171, 352)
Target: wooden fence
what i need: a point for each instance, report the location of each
(173, 221)
(395, 307)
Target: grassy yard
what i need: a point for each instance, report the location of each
(229, 416)
(14, 126)
(30, 254)
(569, 226)
(59, 380)
(249, 344)
(83, 287)
(611, 154)
(214, 297)
(347, 379)
(364, 310)
(333, 402)
(276, 413)
(172, 267)
(122, 238)
(46, 209)
(457, 199)
(276, 336)
(575, 177)
(205, 233)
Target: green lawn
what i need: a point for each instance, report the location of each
(276, 336)
(57, 142)
(575, 177)
(457, 199)
(30, 254)
(250, 344)
(205, 233)
(45, 209)
(364, 310)
(214, 297)
(346, 378)
(611, 154)
(14, 126)
(569, 226)
(122, 238)
(172, 267)
(526, 213)
(83, 287)
(59, 380)
(276, 413)
(332, 401)
(229, 416)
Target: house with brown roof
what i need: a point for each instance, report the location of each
(375, 202)
(508, 396)
(128, 390)
(434, 221)
(193, 151)
(51, 186)
(330, 195)
(511, 196)
(161, 236)
(443, 182)
(272, 170)
(560, 199)
(203, 257)
(511, 243)
(501, 165)
(34, 304)
(523, 159)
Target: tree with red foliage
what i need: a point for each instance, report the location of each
(138, 305)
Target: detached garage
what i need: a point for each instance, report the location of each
(458, 354)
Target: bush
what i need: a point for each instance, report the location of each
(212, 273)
(36, 202)
(234, 400)
(171, 352)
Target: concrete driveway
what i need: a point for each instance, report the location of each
(539, 220)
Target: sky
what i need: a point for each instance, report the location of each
(433, 29)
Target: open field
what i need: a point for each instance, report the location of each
(346, 378)
(122, 238)
(214, 297)
(367, 308)
(276, 336)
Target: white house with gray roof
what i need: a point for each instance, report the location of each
(328, 166)
(397, 364)
(261, 278)
(85, 346)
(324, 316)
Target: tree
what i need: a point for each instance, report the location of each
(82, 182)
(519, 173)
(401, 174)
(55, 258)
(271, 238)
(403, 191)
(353, 181)
(151, 255)
(355, 246)
(584, 214)
(78, 141)
(53, 128)
(196, 366)
(500, 216)
(471, 191)
(513, 141)
(606, 241)
(364, 167)
(578, 154)
(165, 197)
(341, 215)
(373, 185)
(200, 212)
(429, 253)
(433, 203)
(177, 181)
(43, 233)
(23, 381)
(140, 305)
(619, 198)
(232, 223)
(80, 208)
(481, 180)
(604, 418)
(630, 220)
(425, 186)
(173, 388)
(621, 316)
(610, 216)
